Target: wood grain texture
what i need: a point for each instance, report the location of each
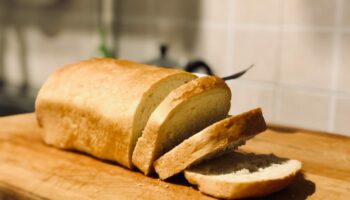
(30, 169)
(34, 170)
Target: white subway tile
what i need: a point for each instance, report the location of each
(346, 14)
(136, 43)
(178, 9)
(304, 109)
(194, 10)
(212, 10)
(246, 97)
(135, 7)
(309, 13)
(344, 69)
(210, 45)
(267, 12)
(342, 116)
(306, 59)
(259, 48)
(12, 64)
(46, 53)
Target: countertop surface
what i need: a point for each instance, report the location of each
(30, 169)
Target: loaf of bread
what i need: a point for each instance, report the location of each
(214, 140)
(239, 175)
(159, 119)
(185, 111)
(101, 106)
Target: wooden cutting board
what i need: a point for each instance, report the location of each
(30, 169)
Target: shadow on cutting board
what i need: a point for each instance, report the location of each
(300, 189)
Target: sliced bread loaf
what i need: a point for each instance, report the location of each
(101, 106)
(210, 142)
(240, 175)
(185, 111)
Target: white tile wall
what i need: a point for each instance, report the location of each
(306, 59)
(309, 13)
(255, 12)
(260, 48)
(48, 53)
(52, 36)
(300, 49)
(246, 96)
(305, 109)
(210, 44)
(136, 8)
(11, 62)
(177, 9)
(211, 10)
(135, 42)
(345, 13)
(342, 124)
(343, 82)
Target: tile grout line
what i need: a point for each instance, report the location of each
(335, 65)
(229, 36)
(277, 101)
(269, 84)
(230, 48)
(151, 21)
(213, 24)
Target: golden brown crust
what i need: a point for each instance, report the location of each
(211, 141)
(144, 153)
(62, 134)
(106, 90)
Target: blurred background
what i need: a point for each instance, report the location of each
(300, 48)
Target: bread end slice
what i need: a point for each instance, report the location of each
(240, 175)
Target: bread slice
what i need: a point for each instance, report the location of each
(186, 110)
(101, 106)
(240, 175)
(210, 142)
